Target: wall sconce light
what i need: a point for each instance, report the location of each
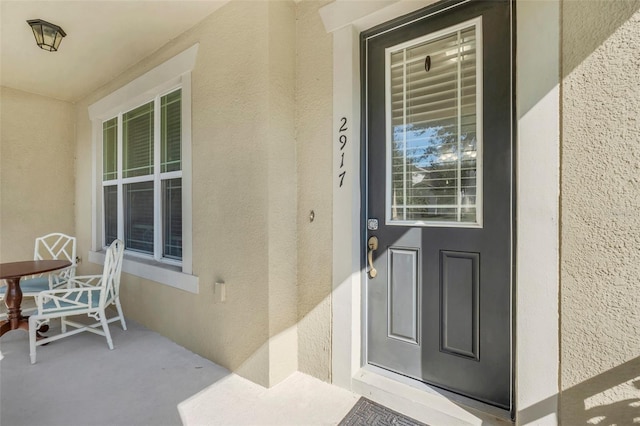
(48, 36)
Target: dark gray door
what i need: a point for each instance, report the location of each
(439, 199)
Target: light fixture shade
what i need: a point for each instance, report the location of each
(48, 35)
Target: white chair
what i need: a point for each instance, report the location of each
(90, 294)
(52, 246)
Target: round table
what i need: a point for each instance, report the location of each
(11, 273)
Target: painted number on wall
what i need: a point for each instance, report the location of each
(342, 140)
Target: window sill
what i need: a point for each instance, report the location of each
(153, 271)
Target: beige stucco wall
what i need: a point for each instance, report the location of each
(600, 201)
(262, 159)
(282, 187)
(314, 73)
(244, 194)
(37, 192)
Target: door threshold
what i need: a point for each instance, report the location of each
(424, 403)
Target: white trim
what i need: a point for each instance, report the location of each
(96, 187)
(363, 15)
(537, 352)
(433, 224)
(163, 274)
(346, 324)
(538, 194)
(474, 22)
(187, 196)
(120, 184)
(157, 184)
(176, 174)
(150, 87)
(480, 125)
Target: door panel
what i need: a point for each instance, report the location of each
(404, 305)
(439, 181)
(459, 314)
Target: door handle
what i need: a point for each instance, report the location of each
(372, 243)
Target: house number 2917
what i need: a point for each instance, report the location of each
(342, 140)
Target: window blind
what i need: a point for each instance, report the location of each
(172, 218)
(137, 127)
(171, 131)
(110, 149)
(138, 213)
(433, 129)
(111, 213)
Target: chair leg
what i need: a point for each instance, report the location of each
(120, 314)
(105, 328)
(32, 339)
(63, 324)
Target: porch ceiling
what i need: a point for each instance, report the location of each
(104, 38)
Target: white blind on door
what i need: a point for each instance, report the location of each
(434, 143)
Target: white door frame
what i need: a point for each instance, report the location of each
(537, 194)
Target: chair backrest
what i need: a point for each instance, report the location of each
(111, 272)
(57, 246)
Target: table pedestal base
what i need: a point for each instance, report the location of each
(8, 325)
(11, 273)
(13, 299)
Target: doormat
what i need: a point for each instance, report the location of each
(368, 413)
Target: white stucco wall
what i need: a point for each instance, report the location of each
(314, 67)
(37, 158)
(244, 193)
(600, 258)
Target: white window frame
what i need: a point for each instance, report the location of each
(163, 79)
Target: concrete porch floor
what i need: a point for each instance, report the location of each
(147, 380)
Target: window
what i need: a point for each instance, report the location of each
(435, 144)
(143, 186)
(142, 169)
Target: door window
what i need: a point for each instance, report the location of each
(434, 144)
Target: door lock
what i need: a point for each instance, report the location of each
(372, 243)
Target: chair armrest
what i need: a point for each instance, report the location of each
(66, 299)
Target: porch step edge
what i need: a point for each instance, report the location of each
(422, 402)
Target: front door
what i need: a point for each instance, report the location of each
(439, 200)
